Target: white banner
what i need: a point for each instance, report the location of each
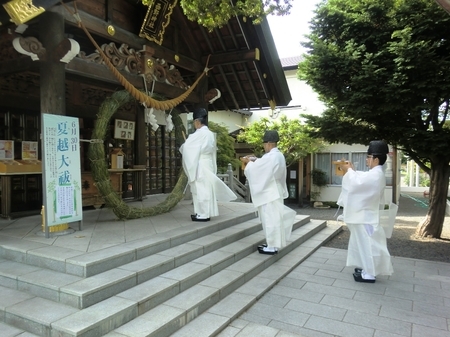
(61, 169)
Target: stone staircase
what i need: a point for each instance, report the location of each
(190, 281)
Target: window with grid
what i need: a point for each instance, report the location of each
(324, 162)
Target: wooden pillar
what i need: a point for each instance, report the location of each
(395, 184)
(140, 137)
(52, 71)
(140, 151)
(300, 182)
(309, 159)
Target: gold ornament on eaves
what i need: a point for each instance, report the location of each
(111, 30)
(21, 11)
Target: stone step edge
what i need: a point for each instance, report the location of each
(102, 325)
(167, 316)
(92, 266)
(122, 280)
(83, 300)
(219, 316)
(92, 263)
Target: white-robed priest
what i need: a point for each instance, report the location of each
(267, 180)
(199, 153)
(362, 198)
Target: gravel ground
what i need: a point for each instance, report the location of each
(412, 209)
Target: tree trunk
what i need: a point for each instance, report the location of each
(431, 226)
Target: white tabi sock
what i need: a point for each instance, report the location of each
(367, 276)
(270, 249)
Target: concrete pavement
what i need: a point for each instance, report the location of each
(321, 299)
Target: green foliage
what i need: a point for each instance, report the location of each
(96, 154)
(295, 143)
(382, 67)
(225, 148)
(319, 177)
(216, 13)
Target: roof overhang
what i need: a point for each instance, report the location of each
(444, 4)
(243, 61)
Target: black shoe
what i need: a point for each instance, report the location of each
(267, 252)
(359, 278)
(264, 245)
(193, 216)
(358, 270)
(200, 219)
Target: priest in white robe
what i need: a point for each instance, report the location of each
(362, 198)
(199, 159)
(267, 180)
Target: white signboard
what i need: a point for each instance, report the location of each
(61, 169)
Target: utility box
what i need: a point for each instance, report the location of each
(117, 157)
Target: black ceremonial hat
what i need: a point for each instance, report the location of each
(377, 147)
(199, 113)
(271, 136)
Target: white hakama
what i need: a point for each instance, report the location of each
(200, 166)
(267, 181)
(362, 197)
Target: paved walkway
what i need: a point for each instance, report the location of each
(321, 299)
(318, 299)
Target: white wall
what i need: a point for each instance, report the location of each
(345, 148)
(302, 94)
(304, 101)
(331, 193)
(232, 120)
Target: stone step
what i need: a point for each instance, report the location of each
(159, 295)
(178, 274)
(83, 264)
(84, 292)
(10, 331)
(217, 318)
(89, 291)
(62, 320)
(156, 290)
(209, 306)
